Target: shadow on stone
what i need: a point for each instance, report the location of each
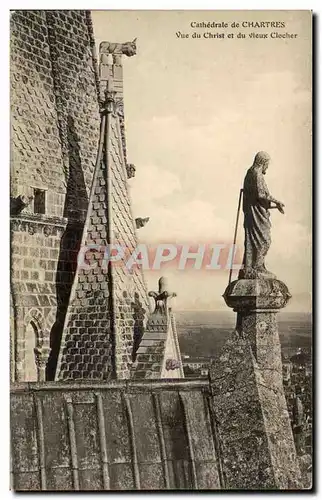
(75, 208)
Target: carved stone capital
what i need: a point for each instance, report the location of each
(41, 358)
(41, 355)
(110, 104)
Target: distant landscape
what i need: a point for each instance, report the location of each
(203, 333)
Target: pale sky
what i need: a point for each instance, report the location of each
(196, 112)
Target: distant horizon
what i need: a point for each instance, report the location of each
(204, 333)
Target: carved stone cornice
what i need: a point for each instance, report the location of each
(38, 223)
(41, 355)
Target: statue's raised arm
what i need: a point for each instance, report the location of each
(257, 201)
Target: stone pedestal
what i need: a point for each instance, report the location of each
(250, 409)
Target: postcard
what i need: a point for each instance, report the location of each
(160, 250)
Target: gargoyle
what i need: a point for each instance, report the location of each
(139, 222)
(118, 49)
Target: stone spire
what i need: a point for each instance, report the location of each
(102, 317)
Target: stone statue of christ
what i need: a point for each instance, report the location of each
(256, 204)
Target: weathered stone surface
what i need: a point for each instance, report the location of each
(250, 410)
(252, 422)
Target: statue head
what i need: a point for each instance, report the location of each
(262, 160)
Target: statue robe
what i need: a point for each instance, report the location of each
(256, 201)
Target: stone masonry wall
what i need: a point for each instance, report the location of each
(131, 305)
(54, 134)
(86, 347)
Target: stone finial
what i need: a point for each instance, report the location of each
(161, 297)
(139, 222)
(130, 170)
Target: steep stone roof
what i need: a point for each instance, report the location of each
(54, 101)
(120, 435)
